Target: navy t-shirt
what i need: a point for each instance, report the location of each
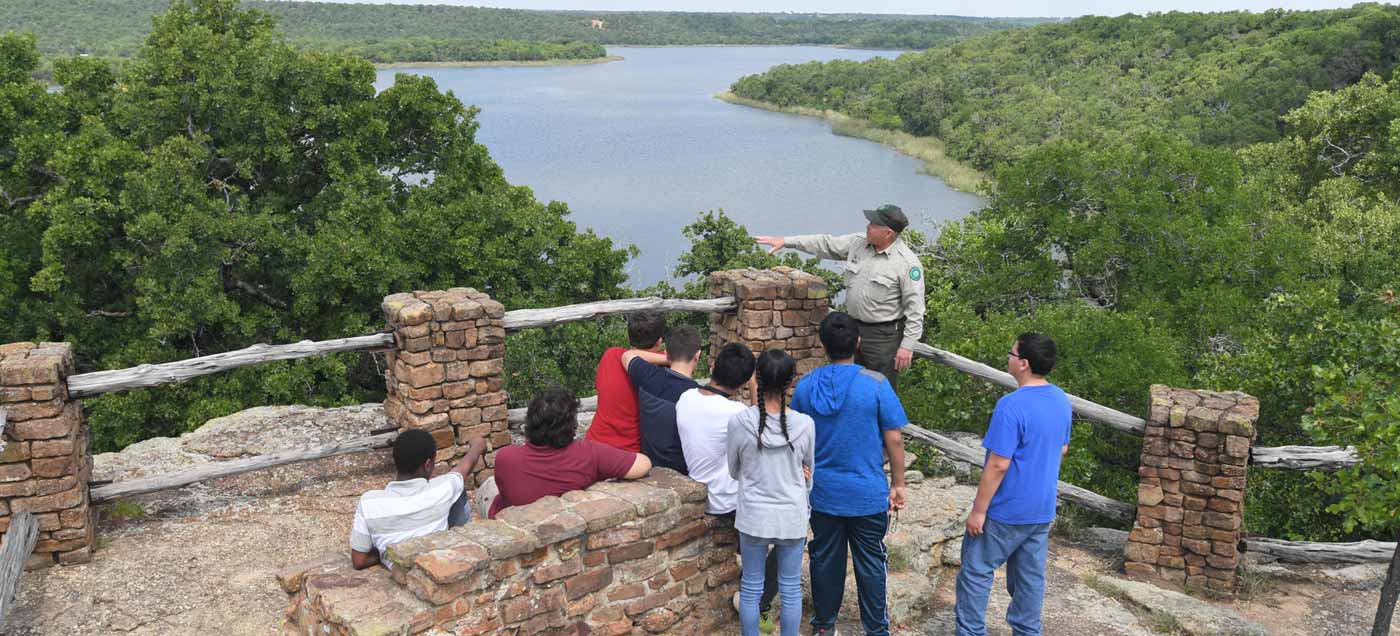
(1029, 426)
(658, 389)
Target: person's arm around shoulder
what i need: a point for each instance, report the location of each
(363, 554)
(654, 357)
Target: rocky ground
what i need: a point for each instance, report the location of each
(202, 559)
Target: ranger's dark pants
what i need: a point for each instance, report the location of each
(879, 342)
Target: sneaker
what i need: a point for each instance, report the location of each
(826, 631)
(736, 601)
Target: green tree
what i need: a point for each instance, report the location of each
(226, 188)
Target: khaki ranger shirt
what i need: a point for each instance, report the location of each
(880, 285)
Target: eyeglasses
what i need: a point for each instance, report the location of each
(1015, 355)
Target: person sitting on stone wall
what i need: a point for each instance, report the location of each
(552, 462)
(617, 419)
(658, 389)
(412, 505)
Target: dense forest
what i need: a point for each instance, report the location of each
(117, 28)
(1221, 79)
(1204, 200)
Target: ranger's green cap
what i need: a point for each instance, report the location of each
(889, 216)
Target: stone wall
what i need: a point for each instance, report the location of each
(45, 465)
(779, 308)
(1191, 488)
(444, 375)
(637, 557)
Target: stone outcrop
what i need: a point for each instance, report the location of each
(637, 557)
(1191, 488)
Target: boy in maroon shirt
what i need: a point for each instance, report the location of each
(552, 462)
(617, 421)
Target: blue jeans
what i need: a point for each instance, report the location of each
(461, 511)
(865, 536)
(1023, 548)
(753, 554)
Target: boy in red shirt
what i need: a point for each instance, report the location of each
(617, 421)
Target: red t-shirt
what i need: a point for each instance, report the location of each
(616, 423)
(525, 474)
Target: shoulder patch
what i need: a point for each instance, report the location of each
(873, 374)
(915, 273)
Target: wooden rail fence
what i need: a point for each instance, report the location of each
(150, 375)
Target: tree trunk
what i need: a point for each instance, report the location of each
(1389, 592)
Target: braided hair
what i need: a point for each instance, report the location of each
(774, 370)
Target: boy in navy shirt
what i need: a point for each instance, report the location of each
(658, 390)
(1010, 519)
(858, 418)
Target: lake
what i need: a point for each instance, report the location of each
(638, 148)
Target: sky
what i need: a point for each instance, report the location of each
(986, 8)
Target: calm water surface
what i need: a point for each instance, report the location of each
(638, 148)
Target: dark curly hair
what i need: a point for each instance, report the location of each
(551, 418)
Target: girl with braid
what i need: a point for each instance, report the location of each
(770, 453)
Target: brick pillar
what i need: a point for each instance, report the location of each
(779, 308)
(444, 375)
(45, 465)
(1191, 489)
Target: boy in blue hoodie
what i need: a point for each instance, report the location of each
(857, 418)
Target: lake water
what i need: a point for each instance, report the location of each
(638, 148)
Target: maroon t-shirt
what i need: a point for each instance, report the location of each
(525, 474)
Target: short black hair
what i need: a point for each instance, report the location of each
(733, 365)
(551, 418)
(644, 328)
(1038, 350)
(413, 448)
(682, 343)
(839, 334)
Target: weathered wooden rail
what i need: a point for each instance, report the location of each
(20, 538)
(97, 383)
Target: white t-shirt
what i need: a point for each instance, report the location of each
(702, 420)
(403, 510)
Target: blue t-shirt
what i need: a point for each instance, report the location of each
(1029, 426)
(851, 407)
(658, 388)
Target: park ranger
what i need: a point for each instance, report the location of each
(884, 286)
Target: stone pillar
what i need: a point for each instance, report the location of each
(779, 308)
(1191, 488)
(444, 375)
(45, 464)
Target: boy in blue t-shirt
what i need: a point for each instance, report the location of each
(1010, 518)
(858, 418)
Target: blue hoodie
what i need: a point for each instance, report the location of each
(852, 407)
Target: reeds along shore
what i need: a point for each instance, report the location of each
(929, 150)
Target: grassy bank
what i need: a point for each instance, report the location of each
(591, 60)
(929, 150)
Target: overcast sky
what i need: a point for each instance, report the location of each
(1061, 8)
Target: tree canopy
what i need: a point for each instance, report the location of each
(226, 188)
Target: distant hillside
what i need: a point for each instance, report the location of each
(117, 27)
(1218, 78)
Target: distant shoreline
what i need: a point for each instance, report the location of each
(487, 63)
(930, 150)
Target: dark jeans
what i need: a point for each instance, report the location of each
(770, 571)
(461, 511)
(878, 345)
(865, 538)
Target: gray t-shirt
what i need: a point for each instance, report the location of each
(772, 489)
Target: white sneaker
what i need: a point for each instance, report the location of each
(736, 601)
